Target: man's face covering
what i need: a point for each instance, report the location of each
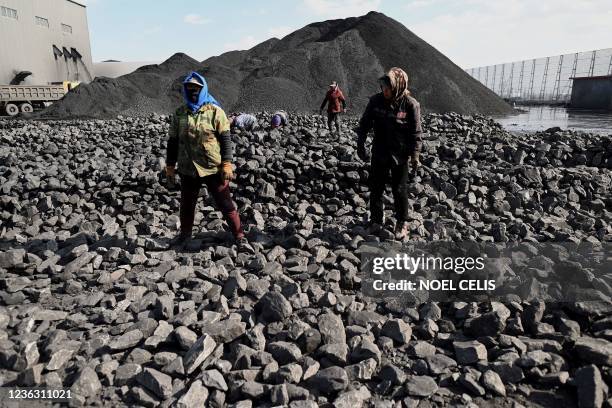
(193, 91)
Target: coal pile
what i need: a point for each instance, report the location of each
(92, 299)
(151, 88)
(293, 74)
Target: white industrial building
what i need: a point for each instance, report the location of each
(44, 42)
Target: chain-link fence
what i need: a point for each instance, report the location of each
(545, 79)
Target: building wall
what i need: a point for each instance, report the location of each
(27, 46)
(592, 93)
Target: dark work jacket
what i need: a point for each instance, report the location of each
(397, 131)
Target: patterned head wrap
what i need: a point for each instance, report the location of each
(203, 97)
(276, 121)
(397, 78)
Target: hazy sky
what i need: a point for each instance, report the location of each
(470, 32)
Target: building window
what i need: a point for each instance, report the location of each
(9, 12)
(66, 28)
(43, 22)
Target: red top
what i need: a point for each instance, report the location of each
(335, 100)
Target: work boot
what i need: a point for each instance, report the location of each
(402, 229)
(375, 228)
(180, 240)
(243, 245)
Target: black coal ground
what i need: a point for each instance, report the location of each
(92, 300)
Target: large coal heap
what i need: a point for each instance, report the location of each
(293, 74)
(354, 52)
(151, 88)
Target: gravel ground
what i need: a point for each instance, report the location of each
(92, 299)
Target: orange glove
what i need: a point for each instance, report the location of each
(414, 160)
(227, 172)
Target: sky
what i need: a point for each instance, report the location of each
(471, 33)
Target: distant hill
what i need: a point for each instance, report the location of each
(293, 74)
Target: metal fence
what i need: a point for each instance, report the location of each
(543, 79)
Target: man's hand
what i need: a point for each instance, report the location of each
(227, 172)
(361, 152)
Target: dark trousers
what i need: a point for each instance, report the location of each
(219, 189)
(333, 117)
(379, 178)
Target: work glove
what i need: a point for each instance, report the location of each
(361, 152)
(170, 176)
(227, 172)
(414, 161)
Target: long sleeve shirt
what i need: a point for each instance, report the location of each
(397, 129)
(199, 142)
(335, 101)
(245, 121)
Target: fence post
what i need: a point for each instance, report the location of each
(521, 79)
(533, 65)
(543, 88)
(557, 86)
(501, 84)
(592, 67)
(494, 75)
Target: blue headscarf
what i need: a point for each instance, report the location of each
(204, 96)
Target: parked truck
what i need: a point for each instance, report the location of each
(27, 98)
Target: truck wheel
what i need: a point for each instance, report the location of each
(11, 109)
(26, 108)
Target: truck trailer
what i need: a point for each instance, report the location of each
(15, 99)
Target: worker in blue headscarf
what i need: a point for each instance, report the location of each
(200, 144)
(195, 92)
